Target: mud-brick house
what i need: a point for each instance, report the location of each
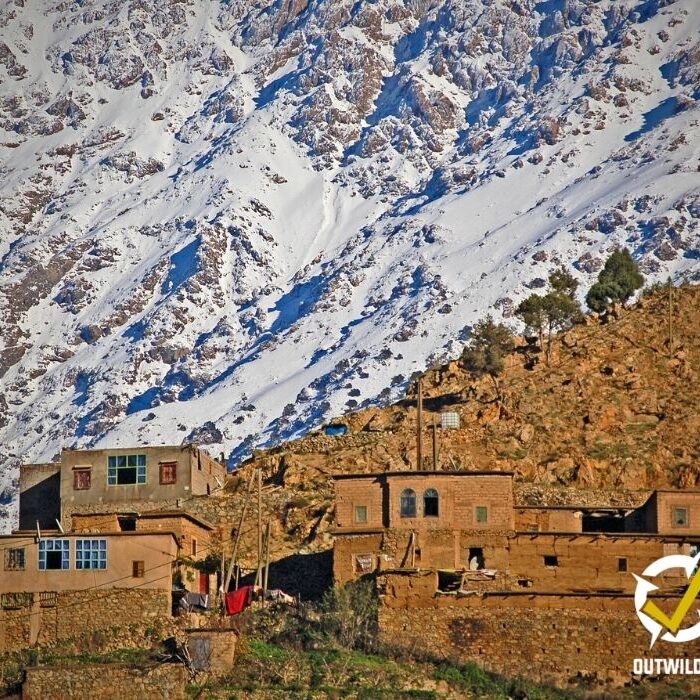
(546, 592)
(465, 527)
(416, 519)
(94, 480)
(63, 585)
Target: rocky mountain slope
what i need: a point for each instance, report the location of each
(613, 417)
(228, 221)
(614, 412)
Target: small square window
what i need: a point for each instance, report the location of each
(82, 478)
(48, 599)
(680, 517)
(15, 559)
(360, 514)
(168, 472)
(622, 564)
(551, 560)
(127, 523)
(138, 569)
(482, 514)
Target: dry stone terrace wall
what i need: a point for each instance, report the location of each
(106, 682)
(46, 619)
(549, 639)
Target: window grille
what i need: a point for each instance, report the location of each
(15, 559)
(91, 554)
(126, 469)
(82, 479)
(54, 554)
(168, 472)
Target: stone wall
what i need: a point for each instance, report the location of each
(222, 510)
(548, 519)
(549, 639)
(105, 682)
(572, 563)
(67, 509)
(40, 621)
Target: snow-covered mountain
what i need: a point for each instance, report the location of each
(226, 221)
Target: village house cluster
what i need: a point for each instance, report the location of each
(545, 592)
(113, 535)
(466, 528)
(105, 531)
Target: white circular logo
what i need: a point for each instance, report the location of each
(652, 617)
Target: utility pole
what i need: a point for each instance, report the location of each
(258, 576)
(419, 428)
(670, 314)
(267, 558)
(238, 536)
(435, 444)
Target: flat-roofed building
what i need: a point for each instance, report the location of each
(134, 474)
(65, 585)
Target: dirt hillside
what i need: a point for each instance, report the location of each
(613, 417)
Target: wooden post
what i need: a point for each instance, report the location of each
(223, 570)
(238, 537)
(267, 557)
(419, 427)
(670, 315)
(435, 445)
(258, 575)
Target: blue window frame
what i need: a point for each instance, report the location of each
(126, 469)
(91, 554)
(54, 555)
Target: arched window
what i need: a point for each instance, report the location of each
(408, 503)
(431, 503)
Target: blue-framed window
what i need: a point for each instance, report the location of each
(54, 554)
(126, 469)
(91, 554)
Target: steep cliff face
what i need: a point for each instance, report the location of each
(225, 223)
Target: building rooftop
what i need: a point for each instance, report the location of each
(134, 447)
(46, 534)
(153, 514)
(376, 475)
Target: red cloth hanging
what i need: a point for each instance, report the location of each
(238, 601)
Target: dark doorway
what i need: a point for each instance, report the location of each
(127, 524)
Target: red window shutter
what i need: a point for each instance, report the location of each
(82, 479)
(168, 472)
